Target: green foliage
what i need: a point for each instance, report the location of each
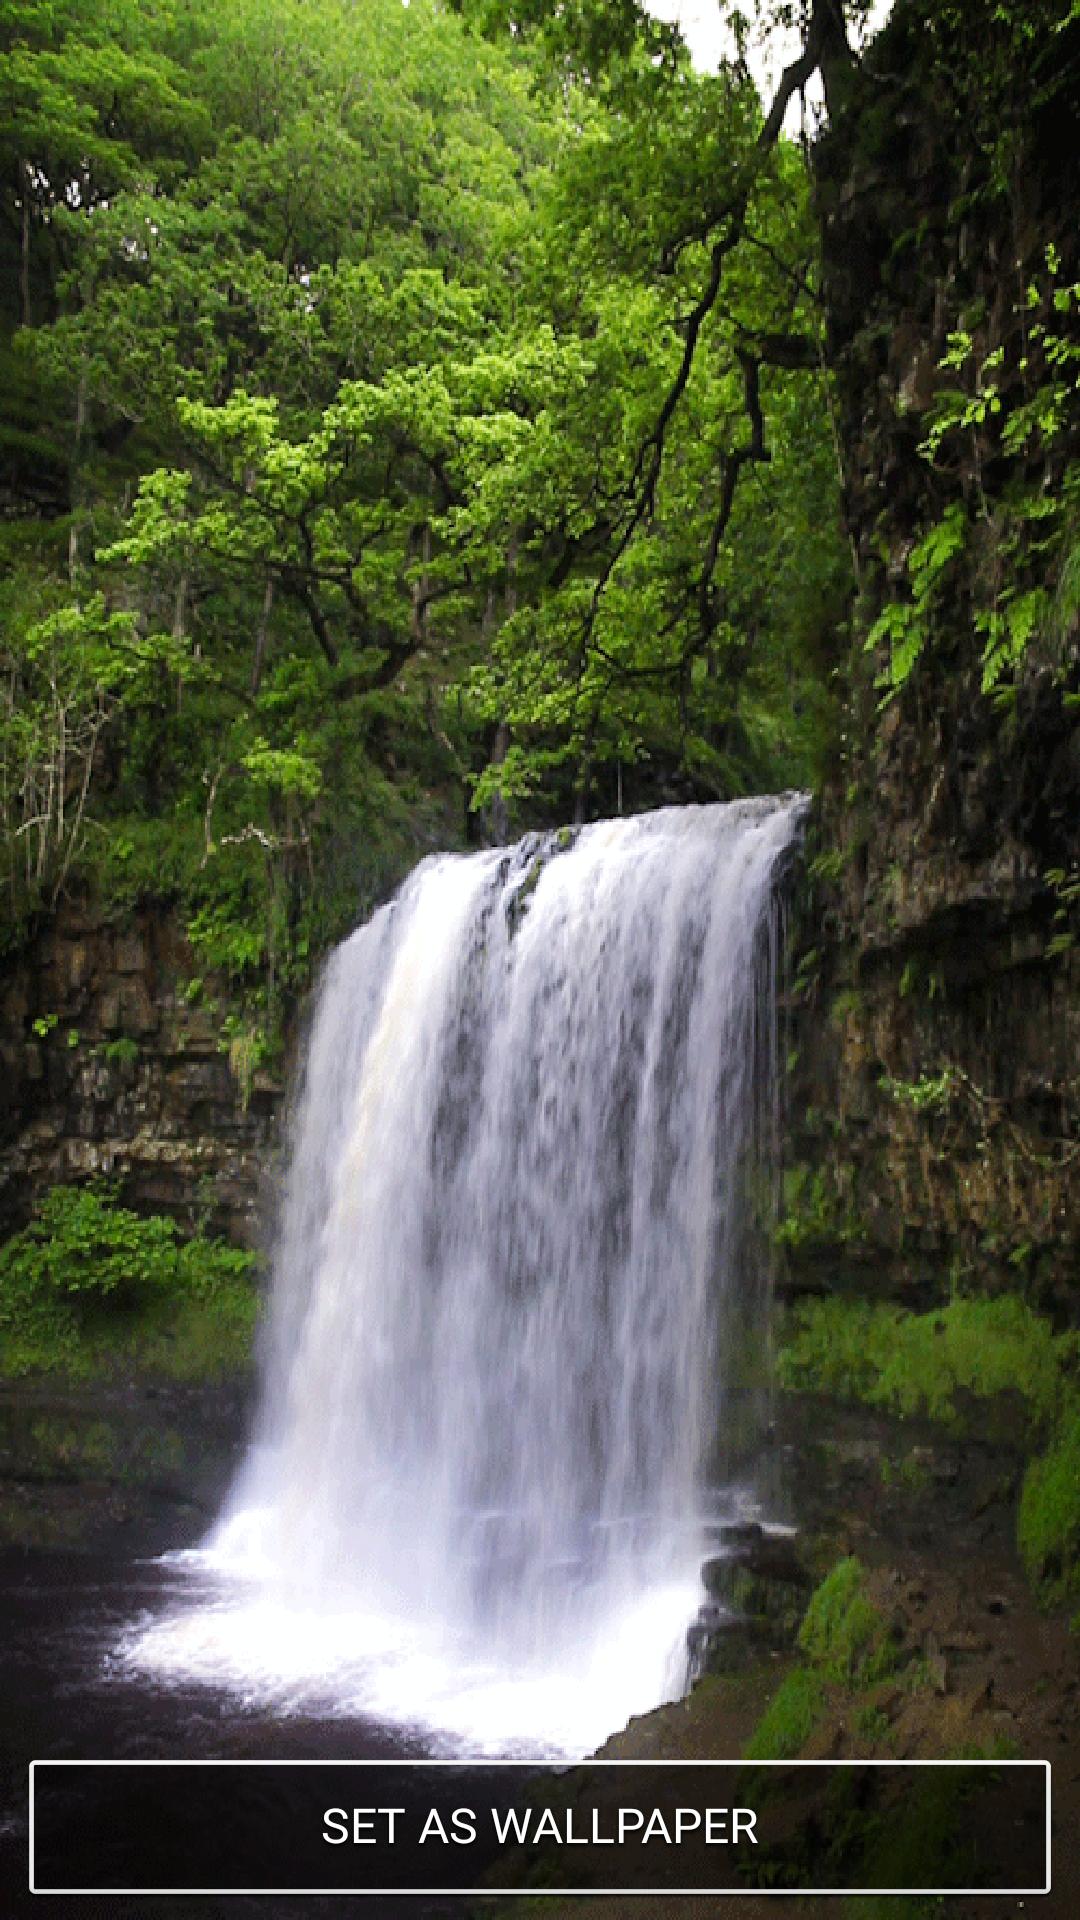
(123, 1052)
(234, 319)
(335, 340)
(1011, 425)
(812, 1214)
(918, 977)
(846, 1005)
(828, 865)
(85, 1264)
(930, 1093)
(248, 1048)
(1066, 890)
(82, 1243)
(905, 627)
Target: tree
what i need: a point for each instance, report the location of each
(266, 278)
(424, 415)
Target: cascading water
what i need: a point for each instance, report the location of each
(511, 1293)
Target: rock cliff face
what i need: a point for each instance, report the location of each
(936, 1108)
(109, 1069)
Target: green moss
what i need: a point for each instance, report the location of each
(790, 1717)
(931, 1093)
(844, 1639)
(1048, 1527)
(843, 1632)
(929, 1363)
(65, 1445)
(911, 1363)
(910, 1470)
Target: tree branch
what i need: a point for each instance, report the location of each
(826, 49)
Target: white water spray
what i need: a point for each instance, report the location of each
(514, 1295)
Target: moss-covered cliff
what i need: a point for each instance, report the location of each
(936, 1109)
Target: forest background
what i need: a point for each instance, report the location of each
(350, 506)
(421, 423)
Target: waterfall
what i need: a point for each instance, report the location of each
(516, 1310)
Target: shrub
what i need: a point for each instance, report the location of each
(85, 1260)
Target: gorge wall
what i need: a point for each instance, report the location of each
(109, 1068)
(936, 1101)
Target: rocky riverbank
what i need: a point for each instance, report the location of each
(939, 1648)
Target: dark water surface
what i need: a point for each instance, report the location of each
(63, 1696)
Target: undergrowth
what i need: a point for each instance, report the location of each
(89, 1283)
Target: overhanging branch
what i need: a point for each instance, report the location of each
(826, 50)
